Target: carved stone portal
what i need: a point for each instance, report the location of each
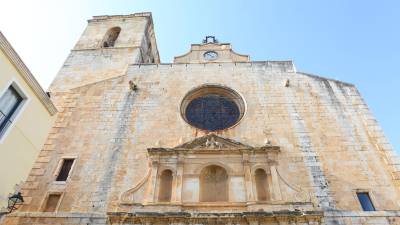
(207, 173)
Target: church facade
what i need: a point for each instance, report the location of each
(212, 138)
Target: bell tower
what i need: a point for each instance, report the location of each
(106, 48)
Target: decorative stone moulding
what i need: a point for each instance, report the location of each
(213, 143)
(245, 218)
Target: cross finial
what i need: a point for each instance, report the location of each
(210, 39)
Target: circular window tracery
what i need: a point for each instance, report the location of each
(212, 107)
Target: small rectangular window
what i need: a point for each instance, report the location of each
(65, 169)
(365, 201)
(52, 202)
(9, 105)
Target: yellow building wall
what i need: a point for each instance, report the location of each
(22, 143)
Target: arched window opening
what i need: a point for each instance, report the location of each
(213, 184)
(165, 191)
(111, 37)
(261, 185)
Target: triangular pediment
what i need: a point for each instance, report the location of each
(212, 141)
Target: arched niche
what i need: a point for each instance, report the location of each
(165, 189)
(261, 181)
(214, 184)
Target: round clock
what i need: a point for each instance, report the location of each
(210, 55)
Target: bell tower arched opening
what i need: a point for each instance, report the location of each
(111, 36)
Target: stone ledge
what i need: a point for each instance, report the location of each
(286, 65)
(217, 215)
(57, 215)
(106, 17)
(340, 213)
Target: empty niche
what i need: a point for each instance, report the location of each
(165, 191)
(52, 203)
(213, 184)
(261, 185)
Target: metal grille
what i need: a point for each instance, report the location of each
(212, 112)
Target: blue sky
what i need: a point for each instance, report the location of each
(351, 40)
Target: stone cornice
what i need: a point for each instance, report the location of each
(213, 143)
(26, 74)
(284, 66)
(107, 17)
(263, 149)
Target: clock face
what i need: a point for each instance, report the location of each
(210, 55)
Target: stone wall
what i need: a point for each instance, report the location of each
(326, 147)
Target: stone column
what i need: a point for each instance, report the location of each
(179, 181)
(276, 190)
(151, 187)
(248, 179)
